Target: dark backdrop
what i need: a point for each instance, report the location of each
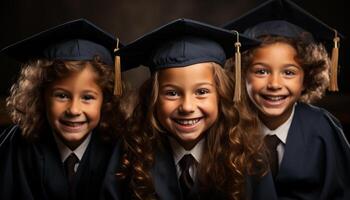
(129, 19)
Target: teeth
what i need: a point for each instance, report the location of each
(73, 124)
(187, 122)
(274, 98)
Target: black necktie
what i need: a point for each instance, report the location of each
(186, 181)
(272, 142)
(69, 165)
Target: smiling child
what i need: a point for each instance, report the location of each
(186, 138)
(66, 115)
(309, 154)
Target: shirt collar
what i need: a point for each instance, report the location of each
(65, 151)
(282, 131)
(179, 151)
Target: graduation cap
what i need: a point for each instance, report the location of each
(74, 40)
(185, 42)
(285, 18)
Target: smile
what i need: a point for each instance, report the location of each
(72, 124)
(274, 98)
(274, 101)
(187, 122)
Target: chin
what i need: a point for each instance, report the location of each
(189, 137)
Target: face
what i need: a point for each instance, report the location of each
(274, 82)
(188, 102)
(73, 106)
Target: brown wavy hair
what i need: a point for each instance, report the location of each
(233, 147)
(312, 57)
(26, 100)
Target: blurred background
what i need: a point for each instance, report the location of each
(130, 19)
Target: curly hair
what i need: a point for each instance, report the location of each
(311, 56)
(26, 100)
(233, 147)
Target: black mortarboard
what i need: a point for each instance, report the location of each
(285, 18)
(181, 43)
(73, 40)
(276, 11)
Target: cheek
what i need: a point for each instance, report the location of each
(300, 87)
(94, 112)
(53, 109)
(161, 114)
(211, 107)
(296, 85)
(249, 87)
(254, 84)
(165, 108)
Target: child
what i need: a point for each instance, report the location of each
(311, 156)
(67, 116)
(186, 138)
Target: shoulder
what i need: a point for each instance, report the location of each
(10, 143)
(9, 135)
(320, 122)
(313, 114)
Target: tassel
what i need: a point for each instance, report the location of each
(117, 73)
(333, 85)
(237, 96)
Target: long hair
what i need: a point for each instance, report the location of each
(312, 57)
(233, 147)
(26, 100)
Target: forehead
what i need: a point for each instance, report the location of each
(60, 70)
(83, 77)
(275, 49)
(199, 73)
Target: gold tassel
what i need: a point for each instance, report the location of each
(237, 96)
(118, 90)
(333, 83)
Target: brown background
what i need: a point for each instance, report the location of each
(129, 19)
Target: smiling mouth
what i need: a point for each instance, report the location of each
(274, 98)
(72, 124)
(187, 122)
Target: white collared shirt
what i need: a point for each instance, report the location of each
(179, 152)
(281, 132)
(65, 151)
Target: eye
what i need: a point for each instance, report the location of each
(289, 72)
(62, 96)
(202, 91)
(88, 97)
(261, 71)
(171, 93)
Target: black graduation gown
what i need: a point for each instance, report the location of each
(166, 181)
(316, 161)
(33, 170)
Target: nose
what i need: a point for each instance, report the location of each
(274, 82)
(187, 104)
(74, 108)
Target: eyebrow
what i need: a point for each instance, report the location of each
(196, 85)
(284, 65)
(84, 91)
